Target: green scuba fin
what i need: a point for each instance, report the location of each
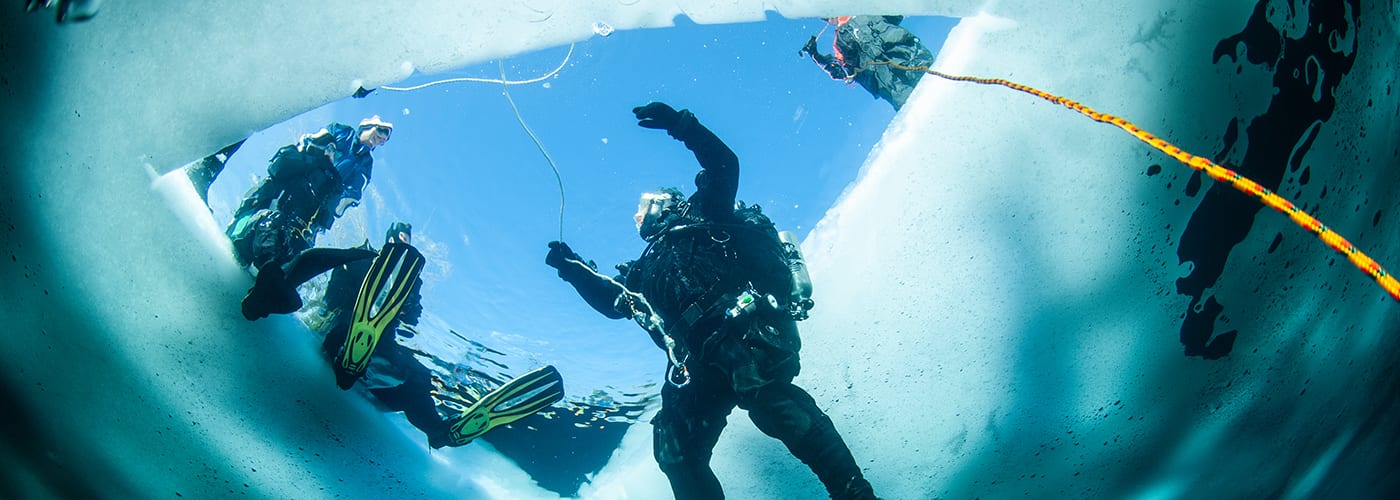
(385, 289)
(517, 399)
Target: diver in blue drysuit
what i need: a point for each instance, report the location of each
(309, 185)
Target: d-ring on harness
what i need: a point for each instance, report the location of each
(676, 374)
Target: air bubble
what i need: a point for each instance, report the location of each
(602, 29)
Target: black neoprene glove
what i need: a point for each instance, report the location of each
(559, 252)
(559, 257)
(810, 49)
(657, 115)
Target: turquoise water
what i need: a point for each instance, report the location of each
(1012, 300)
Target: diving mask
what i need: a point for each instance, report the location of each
(652, 213)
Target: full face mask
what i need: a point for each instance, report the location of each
(652, 213)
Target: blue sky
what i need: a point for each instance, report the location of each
(484, 201)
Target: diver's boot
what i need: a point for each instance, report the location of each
(335, 339)
(439, 439)
(439, 435)
(414, 399)
(787, 412)
(823, 450)
(837, 470)
(270, 294)
(857, 489)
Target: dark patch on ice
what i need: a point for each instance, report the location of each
(1198, 327)
(1225, 216)
(1193, 185)
(1296, 160)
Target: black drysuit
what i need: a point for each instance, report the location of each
(305, 190)
(690, 275)
(413, 397)
(288, 208)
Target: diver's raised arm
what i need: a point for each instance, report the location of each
(717, 183)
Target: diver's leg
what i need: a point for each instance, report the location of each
(685, 431)
(335, 339)
(786, 412)
(270, 294)
(414, 397)
(275, 289)
(314, 261)
(762, 376)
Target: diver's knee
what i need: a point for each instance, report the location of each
(779, 404)
(665, 446)
(679, 444)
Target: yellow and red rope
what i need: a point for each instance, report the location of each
(1358, 258)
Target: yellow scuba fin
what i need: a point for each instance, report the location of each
(517, 399)
(385, 289)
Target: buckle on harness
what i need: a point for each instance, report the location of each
(691, 314)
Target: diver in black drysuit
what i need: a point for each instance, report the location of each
(700, 258)
(413, 396)
(395, 377)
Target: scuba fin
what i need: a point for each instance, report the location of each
(385, 289)
(517, 399)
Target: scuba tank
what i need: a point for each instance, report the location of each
(801, 300)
